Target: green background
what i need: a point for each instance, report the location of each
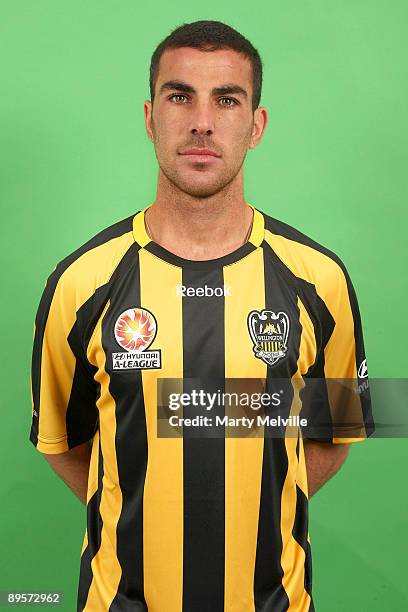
(333, 163)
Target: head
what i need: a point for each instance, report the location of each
(205, 87)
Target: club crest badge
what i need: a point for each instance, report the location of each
(269, 332)
(134, 330)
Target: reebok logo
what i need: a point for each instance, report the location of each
(206, 291)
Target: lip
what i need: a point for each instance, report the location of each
(196, 152)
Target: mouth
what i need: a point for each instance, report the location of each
(200, 154)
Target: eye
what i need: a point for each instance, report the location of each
(178, 96)
(232, 101)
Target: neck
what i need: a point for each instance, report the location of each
(199, 228)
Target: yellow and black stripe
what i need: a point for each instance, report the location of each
(191, 523)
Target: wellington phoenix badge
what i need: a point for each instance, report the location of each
(134, 330)
(269, 332)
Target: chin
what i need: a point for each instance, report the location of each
(200, 191)
(198, 184)
(201, 188)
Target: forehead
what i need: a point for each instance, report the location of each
(208, 68)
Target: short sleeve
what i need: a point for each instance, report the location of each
(339, 402)
(63, 389)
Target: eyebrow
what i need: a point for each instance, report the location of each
(228, 88)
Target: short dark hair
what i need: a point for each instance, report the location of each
(210, 36)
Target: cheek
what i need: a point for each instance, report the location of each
(168, 134)
(237, 123)
(162, 136)
(237, 136)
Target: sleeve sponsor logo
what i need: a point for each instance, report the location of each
(362, 370)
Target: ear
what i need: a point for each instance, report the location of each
(259, 127)
(148, 109)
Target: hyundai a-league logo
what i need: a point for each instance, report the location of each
(269, 332)
(135, 330)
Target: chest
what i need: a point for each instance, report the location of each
(235, 321)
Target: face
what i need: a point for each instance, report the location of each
(203, 105)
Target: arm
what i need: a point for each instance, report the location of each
(322, 462)
(63, 391)
(73, 467)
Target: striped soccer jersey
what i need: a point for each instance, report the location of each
(190, 523)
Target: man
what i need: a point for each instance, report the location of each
(203, 288)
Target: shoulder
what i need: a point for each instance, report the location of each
(305, 257)
(100, 248)
(76, 277)
(294, 237)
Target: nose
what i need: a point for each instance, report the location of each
(202, 121)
